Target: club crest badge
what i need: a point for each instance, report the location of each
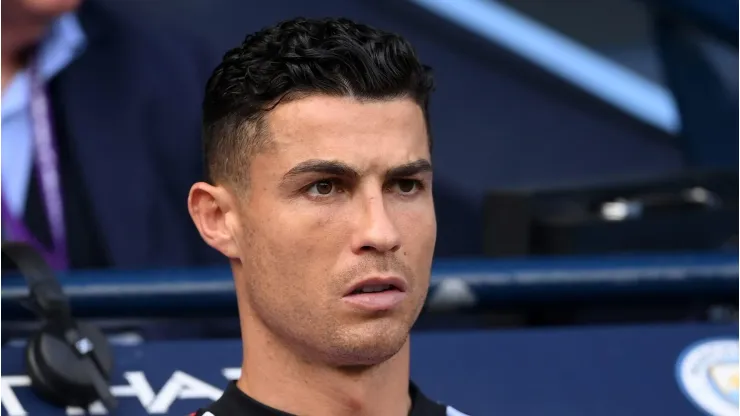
(707, 373)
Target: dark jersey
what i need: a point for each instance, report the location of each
(234, 402)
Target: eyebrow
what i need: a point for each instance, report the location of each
(336, 168)
(410, 169)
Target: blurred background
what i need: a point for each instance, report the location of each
(541, 95)
(586, 186)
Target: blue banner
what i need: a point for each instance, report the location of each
(677, 370)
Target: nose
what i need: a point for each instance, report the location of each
(376, 230)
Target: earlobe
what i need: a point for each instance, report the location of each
(209, 207)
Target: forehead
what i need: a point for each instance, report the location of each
(363, 133)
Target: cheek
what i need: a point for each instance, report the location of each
(418, 230)
(418, 227)
(326, 224)
(298, 245)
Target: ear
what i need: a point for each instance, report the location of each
(212, 208)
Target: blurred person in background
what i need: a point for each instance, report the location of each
(100, 135)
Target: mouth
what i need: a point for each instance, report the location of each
(378, 285)
(376, 294)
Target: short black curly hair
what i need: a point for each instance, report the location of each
(295, 58)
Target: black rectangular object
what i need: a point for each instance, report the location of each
(696, 211)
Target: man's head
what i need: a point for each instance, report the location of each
(318, 157)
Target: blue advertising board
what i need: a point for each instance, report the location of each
(678, 370)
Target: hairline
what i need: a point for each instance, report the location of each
(257, 127)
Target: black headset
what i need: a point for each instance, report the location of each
(69, 363)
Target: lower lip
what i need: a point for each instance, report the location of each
(377, 301)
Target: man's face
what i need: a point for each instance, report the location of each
(26, 21)
(341, 195)
(36, 11)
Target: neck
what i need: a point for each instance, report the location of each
(277, 377)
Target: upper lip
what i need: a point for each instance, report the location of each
(395, 281)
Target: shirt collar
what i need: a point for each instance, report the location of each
(236, 402)
(63, 42)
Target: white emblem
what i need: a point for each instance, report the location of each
(707, 373)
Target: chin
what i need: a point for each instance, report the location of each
(369, 343)
(52, 7)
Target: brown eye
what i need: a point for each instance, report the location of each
(322, 188)
(407, 185)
